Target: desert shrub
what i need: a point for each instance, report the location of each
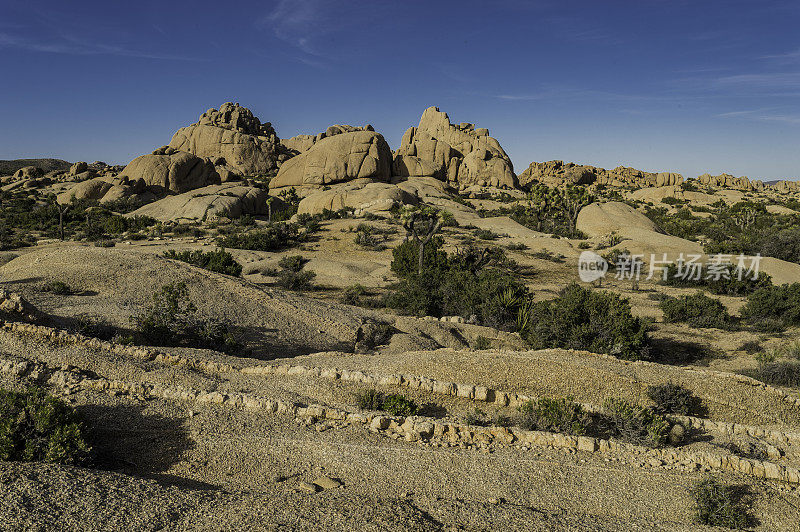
(353, 294)
(584, 245)
(219, 261)
(671, 200)
(371, 237)
(612, 240)
(482, 343)
(580, 318)
(94, 326)
(37, 427)
(634, 424)
(58, 287)
(398, 405)
(486, 234)
(476, 417)
(291, 276)
(728, 281)
(188, 230)
(554, 415)
(778, 372)
(672, 399)
(750, 347)
(546, 254)
(369, 399)
(719, 505)
(471, 283)
(373, 334)
(517, 246)
(774, 306)
(271, 238)
(697, 310)
(172, 319)
(405, 258)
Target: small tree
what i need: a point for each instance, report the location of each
(573, 198)
(270, 199)
(421, 225)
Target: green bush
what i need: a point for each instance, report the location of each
(697, 310)
(473, 283)
(672, 399)
(353, 294)
(580, 318)
(219, 261)
(778, 373)
(719, 505)
(634, 424)
(775, 306)
(394, 404)
(58, 287)
(37, 427)
(369, 400)
(271, 238)
(172, 319)
(397, 405)
(554, 415)
(728, 282)
(291, 276)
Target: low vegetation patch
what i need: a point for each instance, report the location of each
(773, 308)
(554, 415)
(634, 424)
(394, 404)
(219, 261)
(673, 398)
(274, 237)
(172, 319)
(580, 318)
(697, 310)
(37, 427)
(719, 505)
(292, 276)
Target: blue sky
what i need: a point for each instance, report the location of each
(673, 85)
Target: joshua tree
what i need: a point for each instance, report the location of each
(270, 199)
(573, 198)
(421, 225)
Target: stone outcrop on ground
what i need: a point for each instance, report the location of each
(360, 196)
(556, 173)
(170, 170)
(729, 181)
(302, 143)
(231, 200)
(233, 133)
(336, 159)
(459, 153)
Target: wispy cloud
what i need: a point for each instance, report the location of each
(767, 114)
(68, 45)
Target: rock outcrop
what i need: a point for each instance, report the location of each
(28, 172)
(729, 181)
(92, 189)
(556, 173)
(229, 199)
(170, 170)
(235, 134)
(302, 143)
(360, 196)
(336, 159)
(461, 154)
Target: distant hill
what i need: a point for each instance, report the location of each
(48, 165)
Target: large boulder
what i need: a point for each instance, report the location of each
(599, 219)
(360, 196)
(336, 159)
(303, 143)
(92, 189)
(235, 134)
(558, 172)
(228, 199)
(459, 153)
(28, 172)
(169, 170)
